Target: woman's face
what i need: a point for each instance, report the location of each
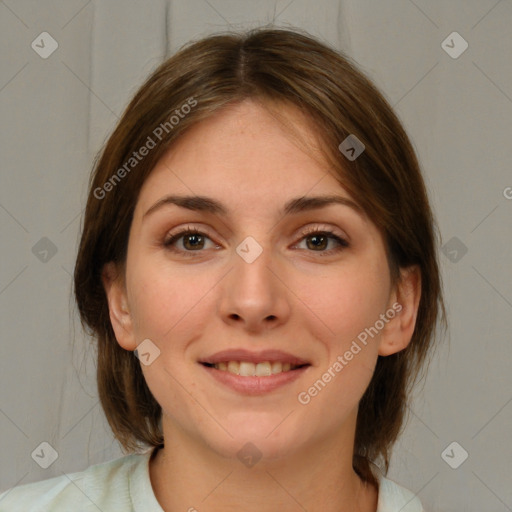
(256, 281)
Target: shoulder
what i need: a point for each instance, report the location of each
(393, 498)
(103, 486)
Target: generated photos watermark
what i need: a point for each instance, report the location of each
(304, 397)
(144, 150)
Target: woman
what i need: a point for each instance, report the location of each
(259, 266)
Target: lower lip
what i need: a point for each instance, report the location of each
(255, 385)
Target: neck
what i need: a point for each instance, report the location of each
(187, 475)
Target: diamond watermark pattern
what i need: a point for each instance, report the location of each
(454, 249)
(454, 455)
(147, 352)
(44, 45)
(454, 45)
(351, 147)
(249, 249)
(45, 455)
(249, 455)
(44, 250)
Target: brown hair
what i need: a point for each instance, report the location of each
(275, 66)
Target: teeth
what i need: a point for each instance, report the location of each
(234, 367)
(277, 367)
(263, 369)
(247, 369)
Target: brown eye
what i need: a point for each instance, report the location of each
(193, 241)
(318, 240)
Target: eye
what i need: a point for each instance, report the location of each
(320, 238)
(193, 240)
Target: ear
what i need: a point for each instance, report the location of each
(404, 301)
(115, 289)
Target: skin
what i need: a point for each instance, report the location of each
(302, 298)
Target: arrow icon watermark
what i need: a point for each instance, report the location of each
(249, 455)
(454, 249)
(44, 45)
(351, 147)
(44, 250)
(146, 352)
(249, 249)
(45, 455)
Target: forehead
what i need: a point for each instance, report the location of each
(243, 155)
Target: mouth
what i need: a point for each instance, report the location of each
(250, 369)
(251, 373)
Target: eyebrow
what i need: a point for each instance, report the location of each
(210, 205)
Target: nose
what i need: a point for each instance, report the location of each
(254, 294)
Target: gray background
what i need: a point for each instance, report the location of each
(57, 112)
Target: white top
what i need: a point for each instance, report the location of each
(123, 485)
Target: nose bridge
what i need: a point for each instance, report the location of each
(253, 293)
(252, 266)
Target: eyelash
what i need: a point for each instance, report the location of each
(343, 244)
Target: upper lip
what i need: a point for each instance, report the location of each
(254, 357)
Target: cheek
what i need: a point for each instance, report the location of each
(352, 302)
(155, 305)
(350, 306)
(356, 302)
(167, 304)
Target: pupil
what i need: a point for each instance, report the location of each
(197, 238)
(316, 238)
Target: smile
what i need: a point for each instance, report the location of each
(245, 377)
(249, 369)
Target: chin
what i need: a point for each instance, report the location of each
(263, 435)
